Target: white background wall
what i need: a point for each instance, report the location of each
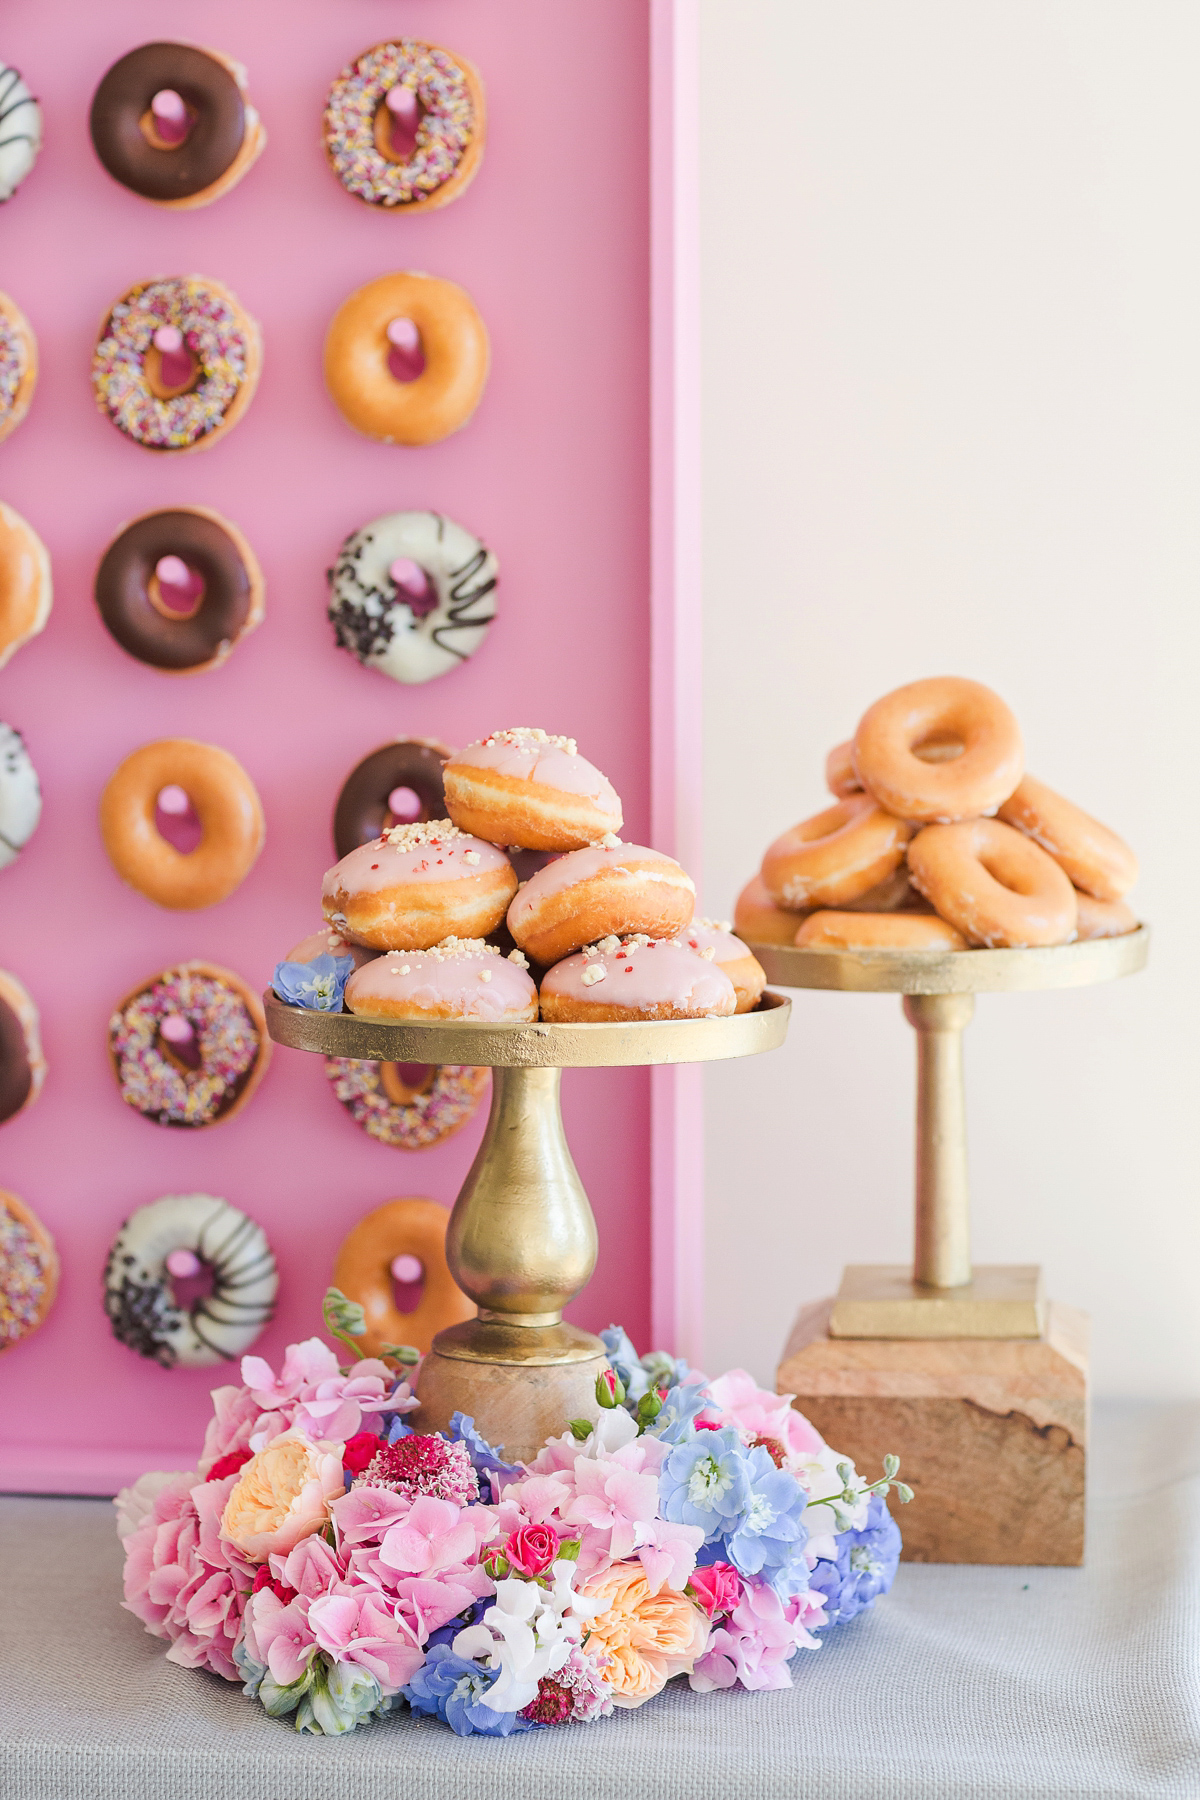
(952, 425)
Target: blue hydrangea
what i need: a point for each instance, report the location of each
(318, 985)
(451, 1687)
(865, 1566)
(486, 1459)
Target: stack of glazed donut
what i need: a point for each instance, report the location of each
(441, 926)
(939, 840)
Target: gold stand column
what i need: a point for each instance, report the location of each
(942, 1247)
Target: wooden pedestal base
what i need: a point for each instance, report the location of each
(991, 1433)
(520, 1384)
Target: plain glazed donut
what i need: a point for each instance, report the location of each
(835, 856)
(18, 365)
(531, 791)
(464, 978)
(608, 890)
(359, 359)
(28, 1271)
(26, 592)
(1103, 918)
(408, 773)
(22, 1065)
(878, 931)
(841, 777)
(417, 885)
(714, 941)
(937, 714)
(181, 1236)
(636, 978)
(177, 363)
(758, 920)
(364, 1272)
(412, 595)
(419, 90)
(189, 1046)
(994, 884)
(171, 123)
(223, 798)
(179, 588)
(1095, 858)
(407, 1105)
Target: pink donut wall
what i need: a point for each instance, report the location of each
(551, 241)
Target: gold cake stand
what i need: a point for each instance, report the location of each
(521, 1241)
(942, 1296)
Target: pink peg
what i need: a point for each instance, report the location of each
(168, 339)
(176, 1029)
(183, 1264)
(404, 335)
(168, 105)
(172, 571)
(406, 1269)
(402, 103)
(404, 805)
(409, 576)
(173, 801)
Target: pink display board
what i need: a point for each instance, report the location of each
(552, 242)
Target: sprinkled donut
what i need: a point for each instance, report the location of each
(835, 856)
(177, 363)
(171, 122)
(28, 1271)
(189, 1046)
(406, 359)
(404, 126)
(417, 885)
(178, 776)
(463, 978)
(26, 590)
(940, 716)
(636, 977)
(407, 1105)
(20, 795)
(179, 588)
(178, 1238)
(532, 791)
(412, 595)
(18, 365)
(994, 884)
(609, 890)
(401, 1240)
(398, 784)
(20, 131)
(22, 1065)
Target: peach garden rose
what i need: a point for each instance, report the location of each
(282, 1495)
(649, 1633)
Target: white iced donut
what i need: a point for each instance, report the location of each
(20, 796)
(181, 1236)
(412, 594)
(20, 131)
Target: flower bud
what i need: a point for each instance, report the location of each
(609, 1389)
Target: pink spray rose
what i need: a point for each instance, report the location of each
(718, 1587)
(531, 1549)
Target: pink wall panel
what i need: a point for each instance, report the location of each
(552, 242)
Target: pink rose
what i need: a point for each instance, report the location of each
(531, 1549)
(282, 1495)
(718, 1587)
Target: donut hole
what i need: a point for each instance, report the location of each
(176, 820)
(414, 586)
(408, 1282)
(192, 1279)
(168, 121)
(938, 748)
(174, 589)
(170, 373)
(178, 1043)
(397, 124)
(405, 1082)
(406, 358)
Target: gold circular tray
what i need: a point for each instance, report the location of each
(534, 1046)
(956, 971)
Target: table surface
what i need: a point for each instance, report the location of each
(995, 1682)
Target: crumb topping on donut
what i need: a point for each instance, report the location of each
(530, 737)
(714, 924)
(226, 1036)
(27, 1266)
(13, 362)
(443, 134)
(425, 831)
(212, 331)
(451, 949)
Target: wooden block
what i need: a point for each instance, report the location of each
(991, 1432)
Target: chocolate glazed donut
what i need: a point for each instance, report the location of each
(16, 1072)
(122, 102)
(130, 597)
(362, 811)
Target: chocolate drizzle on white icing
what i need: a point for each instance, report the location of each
(20, 125)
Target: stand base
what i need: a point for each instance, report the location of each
(520, 1383)
(881, 1300)
(991, 1434)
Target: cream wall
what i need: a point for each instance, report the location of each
(952, 424)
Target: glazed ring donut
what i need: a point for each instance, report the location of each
(841, 777)
(28, 1271)
(464, 978)
(418, 885)
(179, 1237)
(530, 791)
(608, 890)
(20, 795)
(758, 920)
(1103, 918)
(404, 126)
(408, 1229)
(22, 1065)
(189, 1046)
(20, 131)
(408, 773)
(636, 978)
(179, 588)
(171, 123)
(1095, 858)
(177, 363)
(407, 1105)
(878, 931)
(716, 943)
(221, 795)
(18, 365)
(412, 595)
(994, 884)
(835, 856)
(937, 715)
(26, 592)
(360, 356)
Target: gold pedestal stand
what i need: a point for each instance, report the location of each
(903, 1354)
(521, 1241)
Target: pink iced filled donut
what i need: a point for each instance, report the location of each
(636, 977)
(607, 890)
(460, 979)
(417, 885)
(328, 942)
(530, 791)
(715, 942)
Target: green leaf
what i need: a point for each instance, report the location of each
(568, 1550)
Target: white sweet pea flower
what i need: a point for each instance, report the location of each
(612, 1431)
(529, 1632)
(573, 1611)
(818, 1476)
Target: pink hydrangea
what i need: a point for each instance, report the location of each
(422, 1555)
(756, 1643)
(757, 1415)
(315, 1397)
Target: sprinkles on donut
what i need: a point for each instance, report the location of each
(189, 1046)
(404, 125)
